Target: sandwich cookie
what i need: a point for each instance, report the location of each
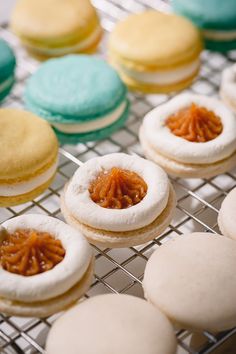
(7, 69)
(119, 200)
(28, 160)
(81, 96)
(228, 87)
(216, 19)
(119, 324)
(73, 28)
(188, 277)
(226, 218)
(190, 136)
(155, 52)
(45, 266)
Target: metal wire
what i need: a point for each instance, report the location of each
(121, 271)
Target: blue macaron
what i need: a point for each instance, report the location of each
(7, 69)
(216, 18)
(81, 96)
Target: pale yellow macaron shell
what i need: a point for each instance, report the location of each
(53, 20)
(28, 145)
(153, 40)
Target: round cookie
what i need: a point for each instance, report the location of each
(123, 200)
(190, 136)
(228, 87)
(81, 96)
(165, 61)
(188, 278)
(119, 323)
(73, 28)
(226, 218)
(28, 161)
(45, 266)
(7, 69)
(216, 19)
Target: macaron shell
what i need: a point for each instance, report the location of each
(28, 145)
(220, 46)
(155, 40)
(7, 90)
(74, 87)
(7, 60)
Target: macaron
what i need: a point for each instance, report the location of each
(7, 69)
(190, 136)
(188, 279)
(119, 200)
(49, 28)
(226, 218)
(118, 324)
(155, 52)
(28, 159)
(81, 96)
(45, 266)
(216, 19)
(228, 87)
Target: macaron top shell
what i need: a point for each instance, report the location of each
(74, 87)
(52, 19)
(190, 277)
(28, 145)
(155, 39)
(226, 218)
(114, 324)
(7, 60)
(210, 14)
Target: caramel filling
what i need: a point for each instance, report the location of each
(117, 189)
(30, 252)
(196, 124)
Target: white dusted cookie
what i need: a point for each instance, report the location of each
(192, 280)
(190, 136)
(45, 266)
(228, 87)
(114, 324)
(119, 200)
(226, 217)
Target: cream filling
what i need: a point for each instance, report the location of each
(96, 124)
(163, 77)
(80, 46)
(176, 148)
(59, 279)
(118, 220)
(5, 84)
(10, 190)
(220, 35)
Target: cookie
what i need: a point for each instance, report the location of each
(119, 200)
(45, 266)
(216, 19)
(73, 28)
(188, 277)
(155, 52)
(226, 218)
(28, 160)
(119, 324)
(190, 136)
(81, 96)
(228, 87)
(7, 69)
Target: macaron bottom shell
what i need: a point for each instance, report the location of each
(220, 46)
(4, 93)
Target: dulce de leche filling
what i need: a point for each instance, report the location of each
(196, 124)
(30, 252)
(117, 189)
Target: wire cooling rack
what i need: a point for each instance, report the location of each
(121, 270)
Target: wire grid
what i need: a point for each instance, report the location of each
(121, 270)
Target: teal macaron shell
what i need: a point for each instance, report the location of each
(73, 89)
(208, 14)
(7, 61)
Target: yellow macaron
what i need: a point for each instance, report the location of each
(28, 159)
(156, 52)
(50, 28)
